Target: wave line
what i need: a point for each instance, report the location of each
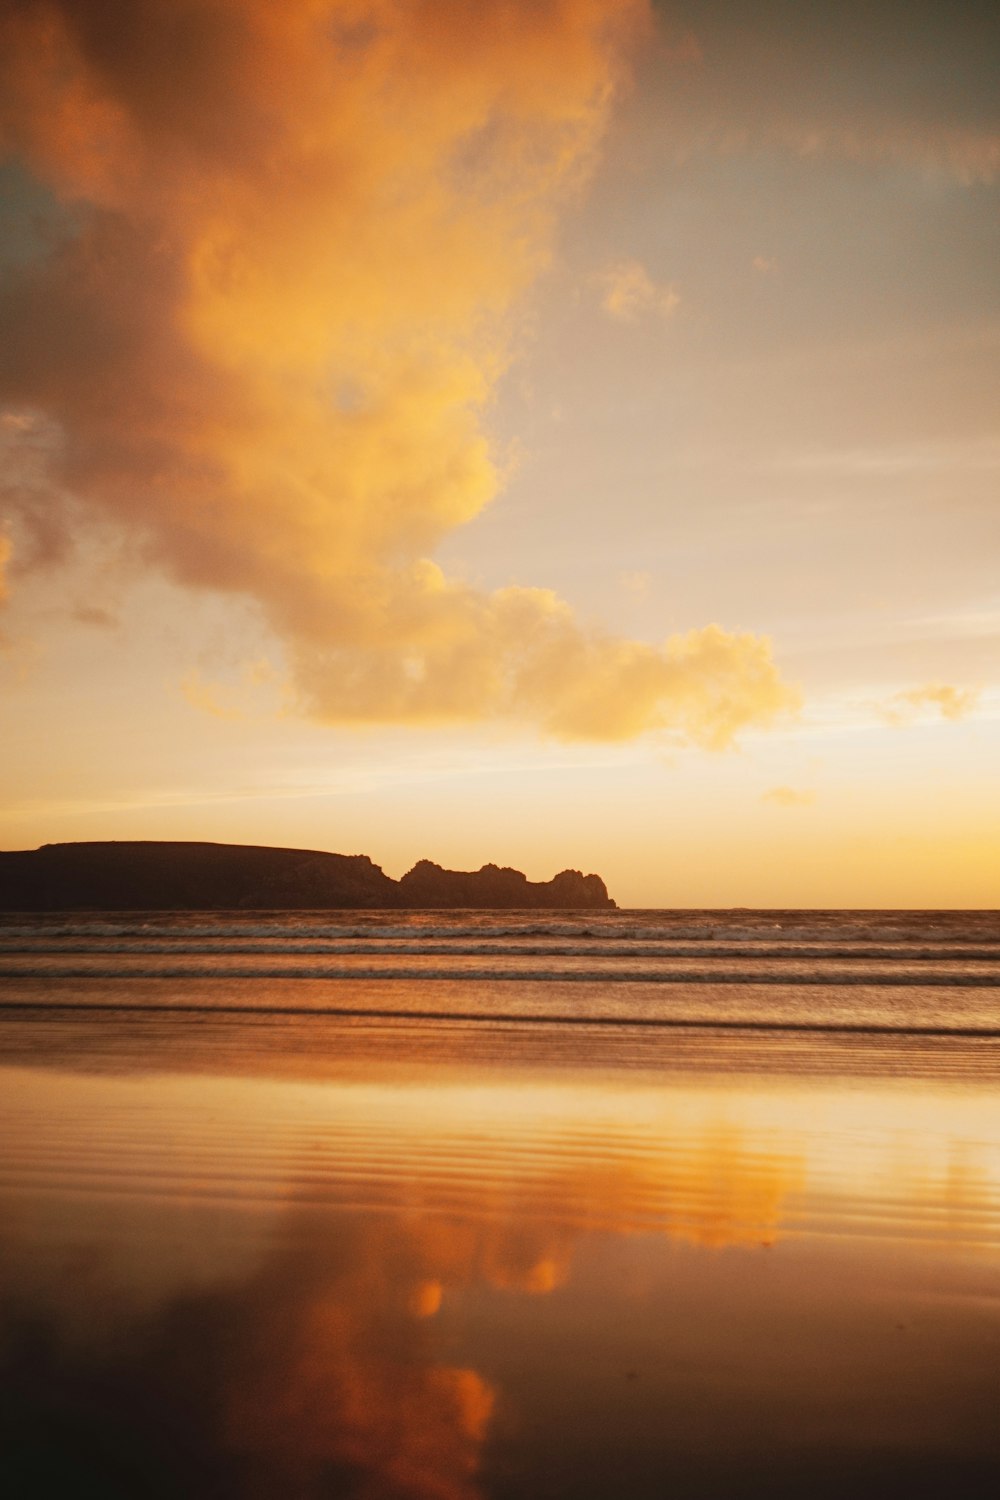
(519, 1018)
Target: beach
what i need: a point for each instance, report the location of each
(470, 1205)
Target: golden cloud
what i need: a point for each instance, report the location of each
(950, 702)
(789, 796)
(266, 348)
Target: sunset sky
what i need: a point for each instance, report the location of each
(555, 432)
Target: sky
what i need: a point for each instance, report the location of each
(555, 432)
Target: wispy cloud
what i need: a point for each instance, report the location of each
(864, 80)
(970, 154)
(937, 697)
(979, 455)
(97, 615)
(254, 691)
(789, 796)
(965, 624)
(629, 292)
(636, 582)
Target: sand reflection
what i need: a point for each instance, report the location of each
(235, 1286)
(340, 1369)
(334, 1373)
(323, 1355)
(323, 1372)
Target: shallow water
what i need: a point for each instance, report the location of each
(363, 1236)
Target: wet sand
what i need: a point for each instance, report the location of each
(315, 1257)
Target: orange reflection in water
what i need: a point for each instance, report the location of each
(346, 1230)
(389, 1206)
(338, 1376)
(342, 1368)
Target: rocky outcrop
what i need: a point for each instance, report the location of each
(159, 876)
(428, 886)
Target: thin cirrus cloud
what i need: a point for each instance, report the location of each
(266, 347)
(866, 80)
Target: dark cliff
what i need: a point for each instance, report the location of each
(428, 885)
(155, 876)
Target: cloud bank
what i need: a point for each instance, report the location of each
(266, 344)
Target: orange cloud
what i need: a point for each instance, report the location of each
(267, 347)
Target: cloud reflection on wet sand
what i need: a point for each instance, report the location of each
(437, 1290)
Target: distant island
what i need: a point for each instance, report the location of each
(162, 876)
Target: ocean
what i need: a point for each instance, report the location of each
(464, 1205)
